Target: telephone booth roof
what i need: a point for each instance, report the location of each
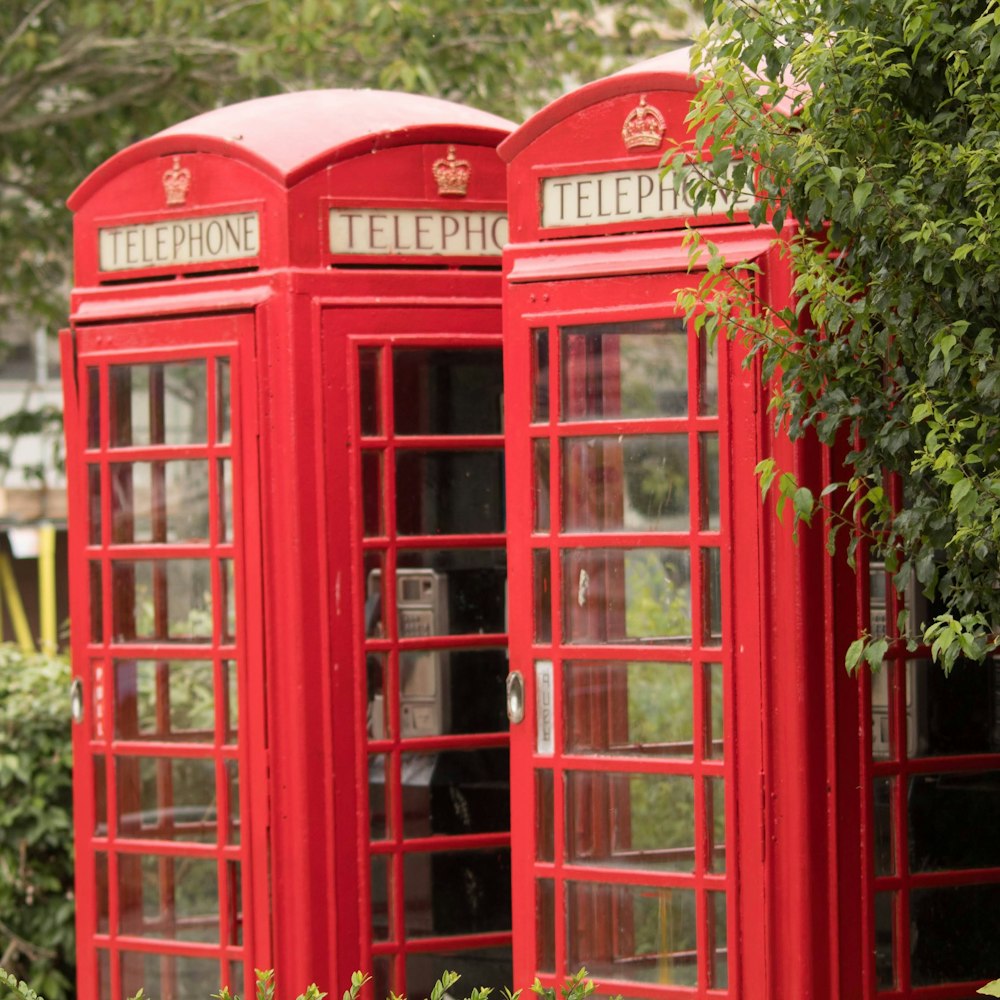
(290, 136)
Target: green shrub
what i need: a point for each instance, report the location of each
(36, 822)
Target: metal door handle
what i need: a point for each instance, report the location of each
(515, 697)
(76, 701)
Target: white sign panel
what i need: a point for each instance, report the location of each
(208, 238)
(420, 232)
(622, 196)
(544, 694)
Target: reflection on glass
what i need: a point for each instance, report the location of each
(378, 800)
(635, 821)
(376, 683)
(540, 496)
(947, 816)
(545, 924)
(164, 700)
(450, 390)
(710, 519)
(230, 687)
(451, 591)
(94, 504)
(711, 568)
(168, 897)
(540, 375)
(224, 468)
(234, 883)
(545, 844)
(883, 729)
(228, 600)
(161, 598)
(455, 792)
(634, 483)
(885, 940)
(101, 891)
(708, 389)
(456, 892)
(370, 380)
(542, 561)
(449, 492)
(484, 966)
(715, 823)
(168, 975)
(719, 965)
(637, 933)
(628, 370)
(619, 707)
(96, 596)
(381, 897)
(371, 493)
(223, 400)
(233, 791)
(883, 812)
(100, 796)
(166, 798)
(626, 595)
(374, 594)
(954, 933)
(93, 408)
(955, 713)
(158, 404)
(713, 711)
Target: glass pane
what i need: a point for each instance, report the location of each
(954, 714)
(233, 791)
(953, 934)
(96, 596)
(708, 356)
(456, 892)
(477, 965)
(166, 798)
(948, 816)
(719, 964)
(636, 933)
(223, 400)
(635, 483)
(376, 681)
(100, 796)
(164, 700)
(234, 888)
(101, 891)
(452, 691)
(635, 821)
(225, 473)
(236, 979)
(374, 594)
(715, 823)
(381, 897)
(382, 975)
(160, 598)
(545, 924)
(449, 492)
(883, 730)
(711, 568)
(885, 940)
(629, 370)
(541, 497)
(710, 518)
(455, 792)
(159, 501)
(370, 378)
(451, 591)
(714, 711)
(543, 595)
(103, 975)
(883, 790)
(158, 404)
(628, 708)
(447, 390)
(540, 373)
(230, 687)
(228, 600)
(166, 897)
(94, 504)
(378, 799)
(626, 595)
(93, 408)
(162, 976)
(545, 840)
(371, 493)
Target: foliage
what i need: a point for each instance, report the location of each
(884, 151)
(81, 79)
(36, 822)
(991, 989)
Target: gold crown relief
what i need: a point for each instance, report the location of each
(176, 181)
(451, 174)
(644, 126)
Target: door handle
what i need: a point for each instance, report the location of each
(515, 697)
(76, 701)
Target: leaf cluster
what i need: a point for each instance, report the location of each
(874, 126)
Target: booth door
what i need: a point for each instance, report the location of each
(621, 639)
(162, 577)
(426, 399)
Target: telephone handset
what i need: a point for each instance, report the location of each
(422, 611)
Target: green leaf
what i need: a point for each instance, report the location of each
(991, 989)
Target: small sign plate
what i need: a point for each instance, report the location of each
(544, 695)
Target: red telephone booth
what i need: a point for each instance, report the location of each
(283, 410)
(672, 642)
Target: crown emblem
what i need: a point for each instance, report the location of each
(452, 175)
(176, 182)
(643, 126)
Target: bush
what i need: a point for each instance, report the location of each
(37, 907)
